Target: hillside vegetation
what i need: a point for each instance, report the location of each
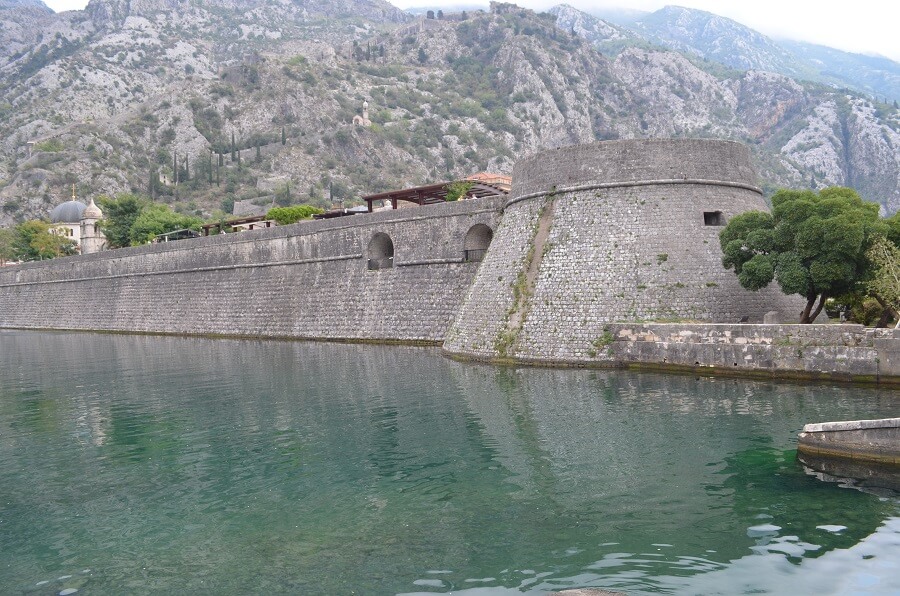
(255, 101)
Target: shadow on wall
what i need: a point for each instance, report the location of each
(380, 252)
(477, 241)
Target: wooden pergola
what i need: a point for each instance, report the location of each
(256, 221)
(433, 193)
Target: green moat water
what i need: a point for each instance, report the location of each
(172, 465)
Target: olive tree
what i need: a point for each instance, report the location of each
(812, 244)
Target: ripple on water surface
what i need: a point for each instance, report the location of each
(160, 465)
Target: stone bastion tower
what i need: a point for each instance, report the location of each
(617, 231)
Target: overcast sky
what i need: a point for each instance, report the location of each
(866, 26)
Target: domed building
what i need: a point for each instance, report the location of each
(78, 222)
(66, 219)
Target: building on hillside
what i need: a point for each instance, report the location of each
(480, 185)
(363, 120)
(501, 181)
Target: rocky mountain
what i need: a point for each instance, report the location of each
(209, 102)
(875, 75)
(715, 38)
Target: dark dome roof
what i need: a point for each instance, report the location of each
(68, 212)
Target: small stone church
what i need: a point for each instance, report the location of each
(78, 222)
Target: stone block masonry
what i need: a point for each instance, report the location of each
(833, 352)
(603, 255)
(633, 237)
(307, 280)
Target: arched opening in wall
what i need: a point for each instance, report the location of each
(476, 243)
(380, 252)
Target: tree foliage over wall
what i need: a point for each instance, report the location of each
(131, 220)
(288, 215)
(812, 244)
(156, 219)
(34, 240)
(119, 215)
(458, 190)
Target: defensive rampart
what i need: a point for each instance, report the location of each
(597, 247)
(620, 231)
(389, 276)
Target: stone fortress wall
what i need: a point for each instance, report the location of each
(612, 232)
(307, 280)
(594, 251)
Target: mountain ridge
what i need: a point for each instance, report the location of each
(108, 102)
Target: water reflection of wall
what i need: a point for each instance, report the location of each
(387, 454)
(660, 455)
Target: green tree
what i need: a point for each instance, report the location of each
(158, 219)
(812, 244)
(283, 136)
(423, 57)
(119, 214)
(893, 228)
(457, 190)
(154, 185)
(7, 238)
(35, 240)
(288, 215)
(884, 286)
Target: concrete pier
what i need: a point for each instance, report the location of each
(865, 440)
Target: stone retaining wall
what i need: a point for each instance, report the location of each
(842, 352)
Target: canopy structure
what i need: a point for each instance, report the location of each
(242, 223)
(435, 193)
(182, 234)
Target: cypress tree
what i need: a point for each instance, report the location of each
(232, 146)
(175, 168)
(217, 172)
(258, 155)
(283, 137)
(209, 173)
